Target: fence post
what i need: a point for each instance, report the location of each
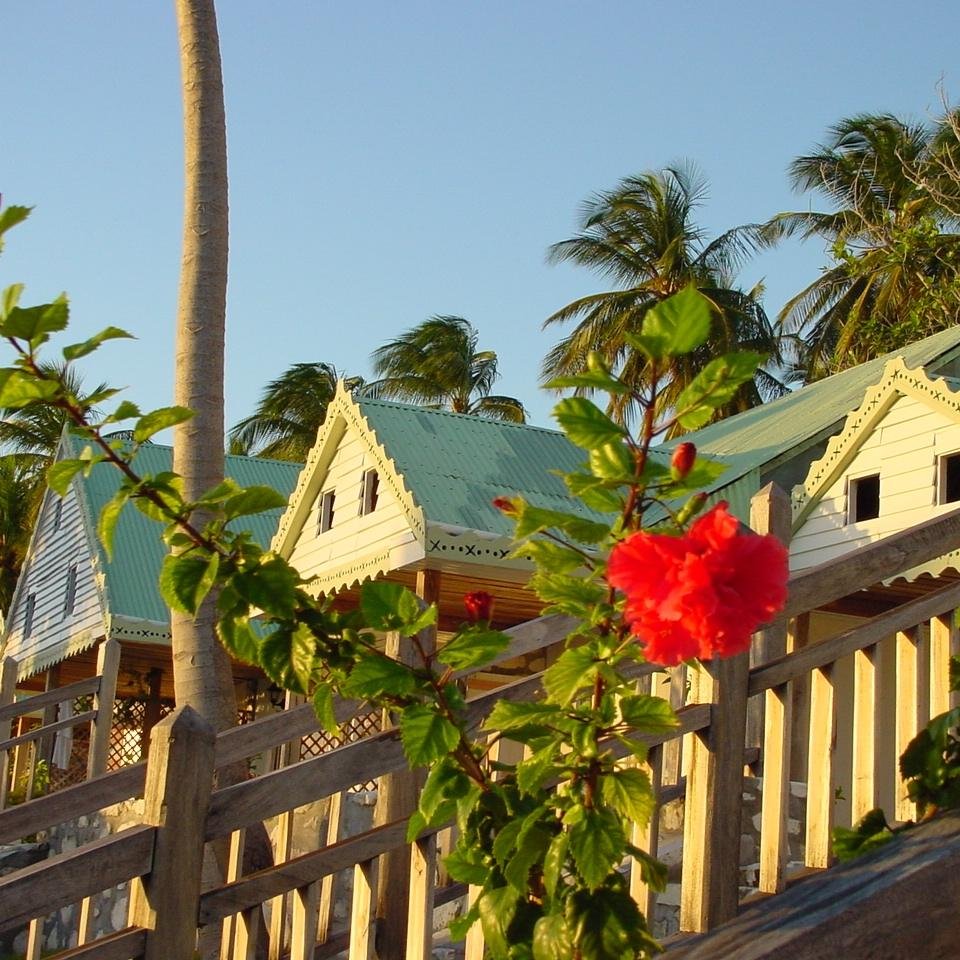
(108, 665)
(711, 819)
(176, 796)
(8, 692)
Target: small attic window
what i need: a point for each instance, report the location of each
(948, 478)
(28, 611)
(863, 498)
(57, 513)
(325, 520)
(70, 594)
(369, 489)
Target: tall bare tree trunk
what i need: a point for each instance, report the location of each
(201, 668)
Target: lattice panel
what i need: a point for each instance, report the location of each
(356, 728)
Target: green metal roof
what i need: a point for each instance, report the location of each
(138, 552)
(761, 437)
(454, 465)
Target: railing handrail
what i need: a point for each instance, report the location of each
(50, 697)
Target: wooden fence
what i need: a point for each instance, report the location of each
(285, 910)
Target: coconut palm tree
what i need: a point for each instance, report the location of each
(20, 485)
(291, 409)
(894, 250)
(642, 236)
(437, 364)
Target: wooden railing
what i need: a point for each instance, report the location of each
(21, 754)
(183, 814)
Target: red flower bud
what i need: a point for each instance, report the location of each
(681, 463)
(479, 605)
(506, 505)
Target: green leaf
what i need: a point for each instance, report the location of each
(575, 669)
(253, 500)
(11, 296)
(590, 380)
(388, 606)
(676, 326)
(76, 350)
(652, 871)
(19, 389)
(460, 926)
(715, 385)
(284, 653)
(538, 767)
(185, 581)
(613, 461)
(270, 585)
(303, 655)
(467, 864)
(597, 844)
(159, 419)
(126, 410)
(61, 473)
(11, 216)
(532, 843)
(593, 493)
(109, 516)
(566, 593)
(497, 908)
(585, 424)
(629, 793)
(871, 832)
(239, 638)
(554, 861)
(531, 520)
(608, 925)
(445, 783)
(323, 708)
(648, 714)
(505, 841)
(513, 715)
(426, 736)
(703, 474)
(549, 556)
(472, 647)
(552, 939)
(375, 675)
(35, 324)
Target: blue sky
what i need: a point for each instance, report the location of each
(389, 161)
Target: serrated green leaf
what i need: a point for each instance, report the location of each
(675, 326)
(239, 638)
(552, 938)
(445, 784)
(537, 768)
(11, 296)
(61, 473)
(35, 324)
(126, 410)
(270, 585)
(590, 380)
(323, 707)
(76, 350)
(11, 216)
(597, 844)
(532, 843)
(426, 736)
(652, 871)
(704, 474)
(574, 670)
(160, 419)
(415, 825)
(550, 556)
(612, 461)
(497, 908)
(870, 832)
(565, 593)
(460, 926)
(467, 865)
(715, 385)
(252, 500)
(109, 516)
(648, 714)
(473, 647)
(388, 606)
(585, 424)
(510, 715)
(375, 675)
(276, 654)
(531, 520)
(608, 925)
(629, 792)
(184, 581)
(593, 493)
(19, 389)
(554, 861)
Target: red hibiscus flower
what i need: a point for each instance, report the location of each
(479, 605)
(702, 594)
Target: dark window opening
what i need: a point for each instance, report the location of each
(326, 511)
(369, 491)
(865, 498)
(71, 592)
(31, 606)
(57, 514)
(950, 478)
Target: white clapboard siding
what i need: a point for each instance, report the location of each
(60, 541)
(903, 448)
(352, 536)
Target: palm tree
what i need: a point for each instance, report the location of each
(641, 236)
(894, 275)
(291, 409)
(437, 364)
(20, 484)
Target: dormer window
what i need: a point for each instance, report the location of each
(325, 520)
(948, 478)
(70, 595)
(29, 607)
(369, 489)
(57, 513)
(863, 498)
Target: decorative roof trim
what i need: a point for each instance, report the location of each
(898, 381)
(342, 413)
(132, 629)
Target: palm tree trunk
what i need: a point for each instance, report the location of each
(201, 668)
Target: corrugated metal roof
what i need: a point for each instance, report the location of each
(759, 437)
(131, 576)
(455, 465)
